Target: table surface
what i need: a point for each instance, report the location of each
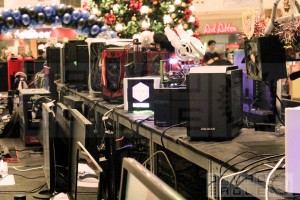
(217, 151)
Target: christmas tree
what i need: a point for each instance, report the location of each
(129, 17)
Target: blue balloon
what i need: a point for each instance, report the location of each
(54, 9)
(104, 28)
(76, 14)
(48, 11)
(113, 34)
(86, 31)
(16, 14)
(85, 14)
(6, 13)
(79, 30)
(33, 23)
(4, 29)
(57, 20)
(25, 19)
(67, 18)
(95, 29)
(38, 8)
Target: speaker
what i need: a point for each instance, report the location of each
(292, 153)
(265, 59)
(113, 61)
(70, 60)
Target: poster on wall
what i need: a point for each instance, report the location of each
(242, 3)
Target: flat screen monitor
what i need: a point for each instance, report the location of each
(47, 139)
(137, 182)
(88, 173)
(80, 129)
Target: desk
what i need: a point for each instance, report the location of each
(208, 155)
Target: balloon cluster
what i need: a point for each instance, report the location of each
(65, 15)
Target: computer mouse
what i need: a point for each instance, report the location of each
(90, 178)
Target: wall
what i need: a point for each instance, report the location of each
(12, 4)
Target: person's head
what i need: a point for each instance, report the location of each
(162, 40)
(211, 45)
(40, 52)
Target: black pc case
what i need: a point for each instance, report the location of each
(215, 102)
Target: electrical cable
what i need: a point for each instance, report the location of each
(249, 169)
(227, 176)
(92, 108)
(269, 176)
(227, 162)
(143, 120)
(119, 139)
(257, 161)
(256, 156)
(28, 177)
(163, 133)
(256, 172)
(30, 191)
(30, 169)
(274, 96)
(20, 150)
(166, 157)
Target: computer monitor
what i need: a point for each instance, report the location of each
(88, 175)
(137, 182)
(47, 139)
(80, 130)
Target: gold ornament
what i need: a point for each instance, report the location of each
(173, 15)
(133, 18)
(183, 4)
(99, 13)
(154, 2)
(150, 10)
(286, 5)
(185, 26)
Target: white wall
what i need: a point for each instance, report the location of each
(12, 4)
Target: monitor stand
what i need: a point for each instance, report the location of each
(45, 194)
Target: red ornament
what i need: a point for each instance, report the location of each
(196, 35)
(85, 6)
(188, 1)
(135, 5)
(197, 23)
(187, 14)
(110, 18)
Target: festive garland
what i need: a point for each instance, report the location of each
(67, 16)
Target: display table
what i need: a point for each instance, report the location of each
(210, 155)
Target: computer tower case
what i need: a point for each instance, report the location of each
(4, 77)
(215, 102)
(113, 61)
(171, 106)
(69, 61)
(54, 73)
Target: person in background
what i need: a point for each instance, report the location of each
(40, 55)
(211, 56)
